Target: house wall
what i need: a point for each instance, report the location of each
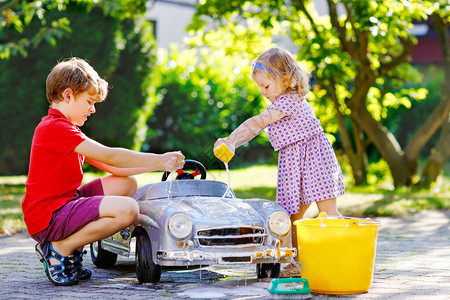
(170, 18)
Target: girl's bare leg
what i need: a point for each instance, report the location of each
(329, 206)
(295, 217)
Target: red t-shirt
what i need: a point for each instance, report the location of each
(55, 170)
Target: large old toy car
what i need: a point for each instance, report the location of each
(191, 222)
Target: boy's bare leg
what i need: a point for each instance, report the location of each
(115, 213)
(119, 186)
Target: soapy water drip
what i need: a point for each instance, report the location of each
(228, 190)
(171, 179)
(246, 273)
(229, 182)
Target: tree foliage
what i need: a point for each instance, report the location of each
(19, 14)
(359, 54)
(121, 120)
(205, 93)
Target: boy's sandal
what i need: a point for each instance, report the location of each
(58, 274)
(77, 267)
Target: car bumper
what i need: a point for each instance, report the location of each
(205, 257)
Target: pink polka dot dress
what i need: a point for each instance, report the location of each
(308, 170)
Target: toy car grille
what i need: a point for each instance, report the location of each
(231, 236)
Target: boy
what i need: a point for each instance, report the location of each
(60, 215)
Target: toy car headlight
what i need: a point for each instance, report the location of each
(180, 225)
(279, 223)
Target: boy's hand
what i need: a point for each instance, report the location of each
(172, 161)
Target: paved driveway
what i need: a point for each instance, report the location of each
(412, 262)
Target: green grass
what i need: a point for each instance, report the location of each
(12, 190)
(260, 182)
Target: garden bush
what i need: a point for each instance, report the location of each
(122, 52)
(200, 102)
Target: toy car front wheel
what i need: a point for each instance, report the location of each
(146, 269)
(268, 270)
(101, 257)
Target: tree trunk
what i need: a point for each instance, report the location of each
(385, 142)
(438, 157)
(358, 168)
(440, 153)
(435, 120)
(360, 149)
(382, 138)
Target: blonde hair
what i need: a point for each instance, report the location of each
(78, 75)
(279, 64)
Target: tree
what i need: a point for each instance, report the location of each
(360, 61)
(18, 14)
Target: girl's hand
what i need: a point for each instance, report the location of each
(172, 161)
(221, 141)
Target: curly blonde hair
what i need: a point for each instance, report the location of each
(78, 75)
(279, 64)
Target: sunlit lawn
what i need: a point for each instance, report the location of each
(260, 182)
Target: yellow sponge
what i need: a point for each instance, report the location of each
(223, 153)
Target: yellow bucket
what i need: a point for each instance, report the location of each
(337, 254)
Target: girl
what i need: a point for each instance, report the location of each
(308, 170)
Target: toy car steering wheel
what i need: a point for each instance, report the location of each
(189, 164)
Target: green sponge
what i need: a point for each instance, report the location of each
(289, 288)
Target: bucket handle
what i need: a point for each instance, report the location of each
(352, 221)
(365, 222)
(322, 215)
